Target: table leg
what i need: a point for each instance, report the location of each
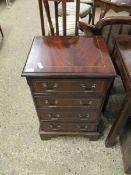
(93, 13)
(120, 121)
(108, 95)
(1, 32)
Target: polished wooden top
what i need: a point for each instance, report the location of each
(124, 46)
(68, 56)
(119, 2)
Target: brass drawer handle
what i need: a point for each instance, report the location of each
(84, 117)
(55, 127)
(55, 117)
(50, 89)
(93, 85)
(87, 89)
(83, 128)
(50, 104)
(85, 104)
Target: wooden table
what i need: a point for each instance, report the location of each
(70, 79)
(123, 62)
(106, 5)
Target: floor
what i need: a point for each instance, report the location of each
(21, 150)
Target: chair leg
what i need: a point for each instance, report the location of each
(1, 32)
(90, 18)
(93, 13)
(8, 3)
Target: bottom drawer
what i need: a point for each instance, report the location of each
(68, 127)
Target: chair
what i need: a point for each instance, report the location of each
(90, 2)
(1, 32)
(115, 5)
(59, 25)
(85, 9)
(108, 27)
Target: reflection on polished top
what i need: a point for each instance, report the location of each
(124, 45)
(119, 2)
(68, 55)
(126, 2)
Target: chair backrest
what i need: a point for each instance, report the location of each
(45, 7)
(109, 27)
(115, 5)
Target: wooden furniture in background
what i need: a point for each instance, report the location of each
(1, 32)
(108, 27)
(123, 63)
(65, 25)
(85, 9)
(69, 78)
(106, 5)
(90, 2)
(125, 141)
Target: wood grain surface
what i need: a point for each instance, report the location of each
(68, 55)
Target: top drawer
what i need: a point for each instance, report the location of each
(72, 85)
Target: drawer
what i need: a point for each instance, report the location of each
(72, 85)
(89, 116)
(68, 127)
(90, 102)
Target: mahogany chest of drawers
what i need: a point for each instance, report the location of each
(70, 79)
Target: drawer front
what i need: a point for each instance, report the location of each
(89, 116)
(42, 102)
(68, 127)
(86, 86)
